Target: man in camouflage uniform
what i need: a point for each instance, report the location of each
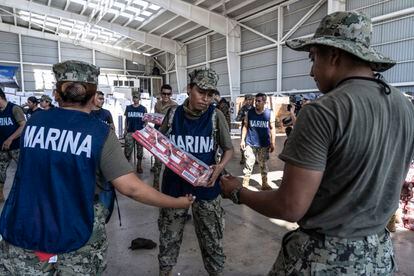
(12, 121)
(69, 236)
(258, 139)
(134, 114)
(246, 106)
(194, 121)
(162, 106)
(343, 172)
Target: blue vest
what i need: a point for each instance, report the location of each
(8, 125)
(258, 132)
(50, 205)
(103, 115)
(31, 112)
(134, 117)
(195, 137)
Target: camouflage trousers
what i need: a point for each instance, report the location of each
(304, 254)
(129, 147)
(87, 260)
(157, 174)
(209, 227)
(250, 154)
(6, 156)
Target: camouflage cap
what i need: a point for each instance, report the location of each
(136, 94)
(204, 78)
(349, 31)
(73, 70)
(248, 96)
(46, 98)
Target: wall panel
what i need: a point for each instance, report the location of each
(9, 46)
(217, 46)
(196, 52)
(107, 61)
(39, 50)
(223, 83)
(75, 52)
(258, 72)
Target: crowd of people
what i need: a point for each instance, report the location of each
(342, 178)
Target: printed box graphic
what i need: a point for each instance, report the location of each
(182, 163)
(155, 118)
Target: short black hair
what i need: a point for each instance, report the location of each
(166, 86)
(33, 99)
(263, 95)
(2, 95)
(100, 93)
(216, 93)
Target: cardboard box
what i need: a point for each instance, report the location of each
(182, 163)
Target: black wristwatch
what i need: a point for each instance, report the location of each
(235, 195)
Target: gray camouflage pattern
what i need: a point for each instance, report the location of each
(129, 147)
(46, 98)
(157, 174)
(262, 155)
(73, 70)
(350, 31)
(204, 78)
(6, 156)
(302, 254)
(209, 227)
(88, 260)
(136, 94)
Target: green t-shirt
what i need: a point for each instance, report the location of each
(363, 141)
(113, 163)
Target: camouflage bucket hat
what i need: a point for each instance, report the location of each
(204, 78)
(248, 96)
(73, 70)
(348, 31)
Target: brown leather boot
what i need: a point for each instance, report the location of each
(139, 167)
(246, 181)
(265, 186)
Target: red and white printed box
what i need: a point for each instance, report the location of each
(155, 118)
(184, 164)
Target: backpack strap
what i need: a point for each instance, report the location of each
(214, 133)
(170, 118)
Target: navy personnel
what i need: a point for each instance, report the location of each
(52, 222)
(258, 139)
(198, 128)
(343, 174)
(12, 121)
(134, 114)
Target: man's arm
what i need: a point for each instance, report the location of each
(272, 131)
(224, 141)
(290, 202)
(111, 121)
(21, 120)
(244, 132)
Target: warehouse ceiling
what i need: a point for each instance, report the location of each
(135, 26)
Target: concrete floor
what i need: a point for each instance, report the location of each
(251, 241)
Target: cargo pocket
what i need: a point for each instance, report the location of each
(294, 252)
(220, 222)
